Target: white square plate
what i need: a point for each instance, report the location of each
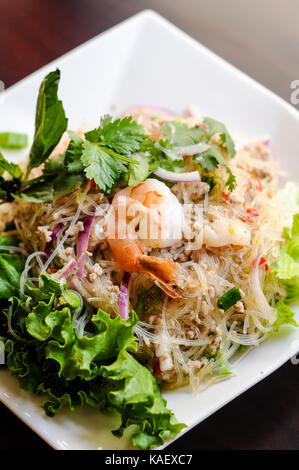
(146, 60)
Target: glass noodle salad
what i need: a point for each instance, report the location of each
(142, 254)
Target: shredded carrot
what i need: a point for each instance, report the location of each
(259, 185)
(252, 213)
(226, 197)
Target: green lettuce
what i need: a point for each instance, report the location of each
(285, 316)
(287, 267)
(287, 271)
(98, 369)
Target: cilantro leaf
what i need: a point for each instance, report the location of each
(50, 120)
(208, 160)
(216, 127)
(180, 134)
(123, 136)
(100, 166)
(139, 173)
(211, 159)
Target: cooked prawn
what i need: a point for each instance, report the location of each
(141, 218)
(224, 231)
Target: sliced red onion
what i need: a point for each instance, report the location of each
(68, 270)
(82, 243)
(189, 177)
(55, 232)
(149, 110)
(266, 142)
(193, 112)
(124, 297)
(191, 149)
(261, 301)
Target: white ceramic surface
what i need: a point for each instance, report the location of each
(146, 60)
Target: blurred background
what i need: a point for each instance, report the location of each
(258, 36)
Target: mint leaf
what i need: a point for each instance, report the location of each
(11, 168)
(66, 182)
(50, 120)
(40, 192)
(100, 166)
(11, 267)
(72, 159)
(54, 165)
(179, 134)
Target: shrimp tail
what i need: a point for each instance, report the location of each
(164, 271)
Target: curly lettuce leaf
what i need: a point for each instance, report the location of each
(132, 391)
(97, 369)
(79, 357)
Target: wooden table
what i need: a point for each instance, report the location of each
(258, 36)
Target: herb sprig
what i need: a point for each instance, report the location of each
(117, 152)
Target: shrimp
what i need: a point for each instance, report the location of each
(224, 231)
(139, 219)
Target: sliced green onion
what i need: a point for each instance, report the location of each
(229, 299)
(12, 140)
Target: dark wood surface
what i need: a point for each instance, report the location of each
(261, 38)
